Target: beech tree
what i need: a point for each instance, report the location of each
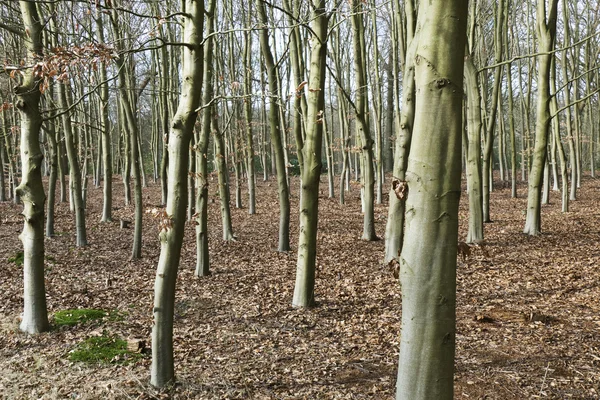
(174, 218)
(312, 164)
(31, 190)
(428, 260)
(546, 30)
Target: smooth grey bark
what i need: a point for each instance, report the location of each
(74, 170)
(31, 189)
(52, 179)
(309, 198)
(474, 185)
(250, 169)
(275, 130)
(202, 253)
(106, 137)
(428, 260)
(2, 180)
(171, 236)
(557, 140)
(362, 124)
(223, 176)
(394, 230)
(546, 28)
(128, 101)
(488, 163)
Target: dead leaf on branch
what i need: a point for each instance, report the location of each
(400, 188)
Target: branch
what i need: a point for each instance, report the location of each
(544, 53)
(575, 103)
(12, 29)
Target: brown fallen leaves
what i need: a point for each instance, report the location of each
(527, 307)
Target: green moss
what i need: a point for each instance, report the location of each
(77, 316)
(17, 258)
(103, 349)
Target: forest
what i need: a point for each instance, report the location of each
(299, 199)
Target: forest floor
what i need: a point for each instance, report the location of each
(528, 308)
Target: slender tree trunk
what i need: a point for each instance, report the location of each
(106, 137)
(362, 124)
(546, 33)
(488, 165)
(394, 231)
(51, 135)
(557, 140)
(74, 170)
(426, 364)
(474, 186)
(274, 127)
(250, 170)
(309, 199)
(223, 176)
(171, 236)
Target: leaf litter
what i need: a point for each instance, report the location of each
(528, 308)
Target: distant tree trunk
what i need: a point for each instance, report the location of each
(377, 105)
(31, 189)
(250, 170)
(223, 176)
(362, 124)
(426, 364)
(297, 61)
(558, 141)
(546, 33)
(511, 113)
(74, 170)
(275, 129)
(51, 135)
(202, 253)
(394, 230)
(309, 199)
(474, 187)
(488, 163)
(106, 137)
(2, 180)
(171, 236)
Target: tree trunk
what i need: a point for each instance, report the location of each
(394, 230)
(74, 170)
(488, 164)
(250, 170)
(171, 236)
(428, 262)
(31, 189)
(362, 124)
(474, 187)
(274, 127)
(547, 33)
(309, 199)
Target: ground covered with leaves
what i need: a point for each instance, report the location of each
(528, 308)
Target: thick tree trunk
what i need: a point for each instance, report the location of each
(428, 262)
(31, 189)
(171, 236)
